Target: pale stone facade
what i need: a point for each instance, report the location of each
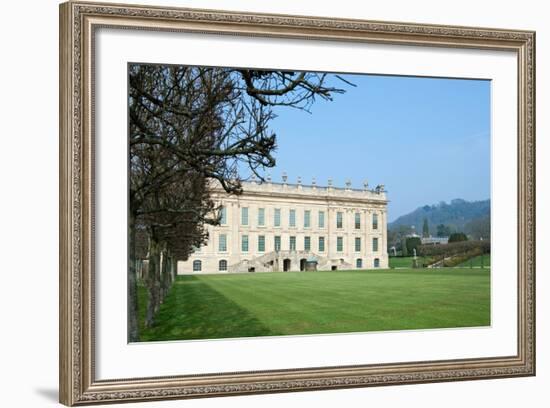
(280, 226)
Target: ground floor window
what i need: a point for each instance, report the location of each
(197, 266)
(376, 263)
(359, 263)
(223, 265)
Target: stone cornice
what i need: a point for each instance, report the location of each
(306, 193)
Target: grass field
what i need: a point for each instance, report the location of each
(476, 262)
(401, 261)
(269, 304)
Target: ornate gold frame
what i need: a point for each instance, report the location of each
(77, 24)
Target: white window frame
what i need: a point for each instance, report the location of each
(220, 242)
(247, 243)
(244, 210)
(339, 220)
(261, 239)
(339, 244)
(261, 217)
(292, 218)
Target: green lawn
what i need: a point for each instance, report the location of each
(476, 262)
(401, 261)
(286, 303)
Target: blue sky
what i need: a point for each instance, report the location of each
(426, 139)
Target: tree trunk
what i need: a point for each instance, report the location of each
(153, 284)
(164, 277)
(133, 328)
(174, 270)
(168, 272)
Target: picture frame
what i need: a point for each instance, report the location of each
(79, 24)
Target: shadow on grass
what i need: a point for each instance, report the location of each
(193, 310)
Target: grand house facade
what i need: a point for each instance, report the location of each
(294, 227)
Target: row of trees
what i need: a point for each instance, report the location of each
(409, 245)
(451, 254)
(400, 237)
(454, 253)
(412, 245)
(478, 229)
(190, 127)
(455, 248)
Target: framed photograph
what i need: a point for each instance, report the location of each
(256, 203)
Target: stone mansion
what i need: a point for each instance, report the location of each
(294, 227)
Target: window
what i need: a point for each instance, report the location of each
(374, 221)
(339, 219)
(359, 263)
(357, 220)
(197, 266)
(357, 244)
(307, 243)
(261, 217)
(307, 218)
(321, 244)
(277, 243)
(244, 243)
(292, 218)
(374, 244)
(376, 263)
(223, 216)
(222, 265)
(321, 219)
(244, 216)
(277, 217)
(340, 244)
(292, 244)
(261, 243)
(222, 244)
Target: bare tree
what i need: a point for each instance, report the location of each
(187, 127)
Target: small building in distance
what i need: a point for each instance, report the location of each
(294, 227)
(434, 240)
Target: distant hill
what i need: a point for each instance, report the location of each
(460, 215)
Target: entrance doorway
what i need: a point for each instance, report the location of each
(303, 264)
(286, 265)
